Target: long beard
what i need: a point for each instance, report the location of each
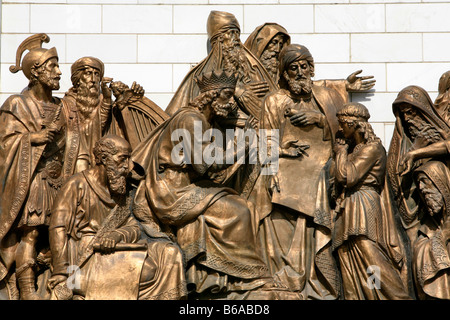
(222, 110)
(433, 200)
(299, 86)
(418, 128)
(269, 60)
(232, 57)
(117, 180)
(87, 100)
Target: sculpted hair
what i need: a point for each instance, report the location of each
(205, 98)
(357, 114)
(104, 147)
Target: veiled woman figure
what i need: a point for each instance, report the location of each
(365, 237)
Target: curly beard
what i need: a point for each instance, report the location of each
(117, 179)
(433, 199)
(299, 86)
(232, 57)
(269, 60)
(88, 98)
(222, 110)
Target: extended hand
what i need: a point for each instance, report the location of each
(406, 163)
(258, 89)
(294, 149)
(359, 84)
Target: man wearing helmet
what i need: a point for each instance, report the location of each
(32, 146)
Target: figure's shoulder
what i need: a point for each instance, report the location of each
(12, 102)
(375, 148)
(277, 95)
(77, 181)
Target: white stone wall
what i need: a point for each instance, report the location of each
(154, 43)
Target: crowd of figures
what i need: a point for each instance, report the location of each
(100, 201)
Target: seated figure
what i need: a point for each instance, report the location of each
(94, 234)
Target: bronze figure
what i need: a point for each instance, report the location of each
(211, 223)
(266, 43)
(418, 125)
(365, 235)
(293, 205)
(32, 149)
(431, 253)
(229, 54)
(92, 228)
(88, 105)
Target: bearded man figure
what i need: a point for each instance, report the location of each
(419, 135)
(431, 251)
(88, 105)
(292, 204)
(211, 223)
(93, 228)
(229, 54)
(266, 43)
(32, 149)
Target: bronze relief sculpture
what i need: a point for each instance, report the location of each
(107, 196)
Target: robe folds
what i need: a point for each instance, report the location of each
(210, 222)
(292, 205)
(84, 212)
(365, 233)
(30, 175)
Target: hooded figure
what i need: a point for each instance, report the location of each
(417, 126)
(431, 259)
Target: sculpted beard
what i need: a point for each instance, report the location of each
(88, 98)
(49, 81)
(418, 128)
(231, 56)
(433, 200)
(299, 85)
(269, 60)
(117, 178)
(222, 110)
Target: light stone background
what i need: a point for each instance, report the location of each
(155, 42)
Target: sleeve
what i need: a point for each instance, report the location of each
(351, 172)
(130, 231)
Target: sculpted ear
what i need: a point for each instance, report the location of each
(34, 72)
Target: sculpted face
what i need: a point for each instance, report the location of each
(431, 195)
(224, 103)
(49, 74)
(90, 79)
(348, 128)
(276, 44)
(298, 75)
(270, 55)
(231, 37)
(118, 167)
